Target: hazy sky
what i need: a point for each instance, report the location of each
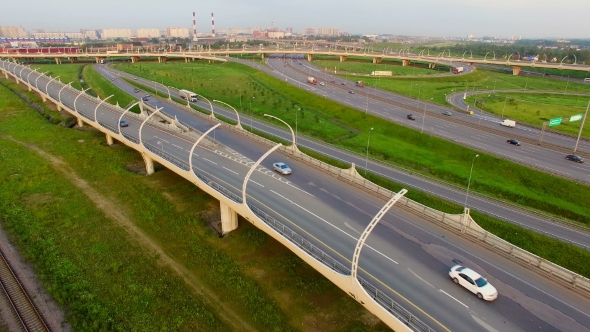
(499, 18)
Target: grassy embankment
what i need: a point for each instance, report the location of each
(535, 108)
(100, 272)
(365, 67)
(389, 142)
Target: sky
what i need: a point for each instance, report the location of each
(436, 18)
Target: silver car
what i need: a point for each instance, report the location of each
(281, 168)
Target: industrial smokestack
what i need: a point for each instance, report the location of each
(212, 26)
(194, 28)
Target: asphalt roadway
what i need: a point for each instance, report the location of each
(495, 143)
(405, 255)
(409, 255)
(510, 213)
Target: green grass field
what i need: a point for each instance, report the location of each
(99, 272)
(535, 108)
(389, 142)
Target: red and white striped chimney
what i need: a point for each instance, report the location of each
(194, 27)
(212, 26)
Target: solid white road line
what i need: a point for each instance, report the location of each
(256, 183)
(463, 304)
(417, 276)
(210, 161)
(236, 173)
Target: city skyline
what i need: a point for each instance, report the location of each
(446, 18)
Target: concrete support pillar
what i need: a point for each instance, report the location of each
(134, 59)
(58, 61)
(187, 60)
(342, 58)
(515, 70)
(471, 64)
(432, 65)
(58, 107)
(310, 57)
(43, 98)
(72, 60)
(405, 62)
(5, 74)
(376, 60)
(229, 218)
(110, 140)
(29, 87)
(149, 164)
(162, 59)
(262, 56)
(80, 123)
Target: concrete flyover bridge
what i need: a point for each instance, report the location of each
(323, 214)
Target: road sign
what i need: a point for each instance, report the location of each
(554, 122)
(576, 117)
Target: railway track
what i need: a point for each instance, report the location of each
(460, 122)
(23, 308)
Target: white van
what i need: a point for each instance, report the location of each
(508, 123)
(587, 80)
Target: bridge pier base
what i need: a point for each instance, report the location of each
(342, 58)
(58, 61)
(72, 60)
(149, 164)
(515, 70)
(229, 218)
(432, 65)
(79, 122)
(471, 64)
(43, 98)
(376, 60)
(134, 59)
(162, 59)
(310, 57)
(110, 140)
(405, 62)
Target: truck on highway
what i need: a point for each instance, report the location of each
(312, 80)
(184, 94)
(360, 83)
(508, 123)
(458, 70)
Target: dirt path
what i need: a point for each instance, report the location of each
(112, 210)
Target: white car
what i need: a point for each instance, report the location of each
(322, 83)
(281, 168)
(475, 283)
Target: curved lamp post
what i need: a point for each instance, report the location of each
(97, 106)
(365, 234)
(210, 105)
(367, 156)
(122, 114)
(293, 146)
(59, 93)
(20, 73)
(81, 93)
(144, 121)
(38, 79)
(469, 182)
(190, 155)
(32, 71)
(228, 105)
(252, 170)
(47, 85)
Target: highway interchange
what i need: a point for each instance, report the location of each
(408, 255)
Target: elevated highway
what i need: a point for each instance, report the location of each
(377, 57)
(406, 256)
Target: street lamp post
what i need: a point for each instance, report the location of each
(582, 127)
(291, 129)
(367, 156)
(237, 114)
(251, 112)
(469, 181)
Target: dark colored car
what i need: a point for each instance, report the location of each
(513, 141)
(411, 117)
(447, 113)
(145, 99)
(350, 91)
(136, 90)
(343, 83)
(122, 123)
(575, 158)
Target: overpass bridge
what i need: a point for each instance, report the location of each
(326, 224)
(218, 54)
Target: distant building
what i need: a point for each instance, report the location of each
(310, 31)
(90, 34)
(13, 32)
(49, 35)
(276, 34)
(471, 37)
(115, 33)
(148, 33)
(177, 32)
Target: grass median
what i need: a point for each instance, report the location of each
(97, 270)
(391, 143)
(535, 108)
